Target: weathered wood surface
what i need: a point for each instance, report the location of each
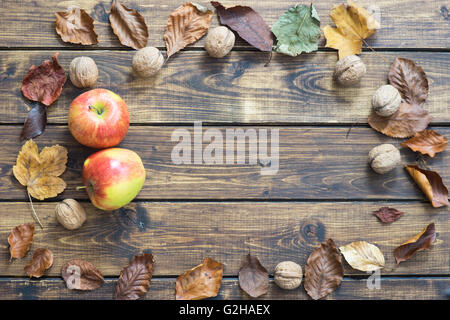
(180, 234)
(405, 23)
(239, 88)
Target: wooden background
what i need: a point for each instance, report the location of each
(324, 187)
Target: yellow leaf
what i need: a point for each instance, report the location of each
(363, 256)
(353, 24)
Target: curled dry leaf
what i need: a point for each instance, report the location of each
(388, 215)
(41, 261)
(186, 24)
(253, 277)
(76, 26)
(135, 278)
(81, 275)
(323, 270)
(44, 83)
(200, 282)
(35, 122)
(20, 240)
(427, 142)
(363, 256)
(249, 25)
(419, 242)
(430, 182)
(128, 25)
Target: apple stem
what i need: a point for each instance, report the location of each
(81, 188)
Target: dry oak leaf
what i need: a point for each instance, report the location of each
(41, 261)
(76, 26)
(427, 142)
(186, 24)
(81, 275)
(353, 25)
(388, 215)
(44, 83)
(40, 172)
(200, 282)
(419, 242)
(20, 240)
(323, 270)
(253, 277)
(363, 256)
(135, 278)
(430, 182)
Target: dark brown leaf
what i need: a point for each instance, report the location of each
(388, 215)
(323, 271)
(76, 26)
(20, 240)
(135, 278)
(34, 123)
(419, 242)
(248, 24)
(253, 277)
(427, 142)
(41, 261)
(44, 83)
(128, 25)
(81, 275)
(430, 182)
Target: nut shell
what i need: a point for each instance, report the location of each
(70, 214)
(147, 62)
(384, 158)
(83, 72)
(349, 70)
(386, 100)
(288, 275)
(219, 41)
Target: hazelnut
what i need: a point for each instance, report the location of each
(70, 214)
(349, 70)
(219, 41)
(386, 100)
(384, 158)
(147, 62)
(83, 72)
(288, 275)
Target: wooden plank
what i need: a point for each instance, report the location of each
(181, 234)
(239, 88)
(405, 23)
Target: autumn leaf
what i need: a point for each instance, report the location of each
(128, 25)
(76, 26)
(297, 30)
(419, 242)
(353, 25)
(200, 282)
(388, 215)
(323, 271)
(427, 142)
(363, 256)
(186, 25)
(253, 277)
(135, 278)
(81, 275)
(41, 261)
(248, 24)
(35, 122)
(20, 240)
(431, 184)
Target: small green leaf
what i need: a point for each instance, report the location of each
(297, 30)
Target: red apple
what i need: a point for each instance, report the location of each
(113, 177)
(98, 118)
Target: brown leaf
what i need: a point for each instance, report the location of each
(248, 24)
(81, 275)
(128, 25)
(426, 142)
(200, 282)
(35, 122)
(253, 277)
(76, 26)
(186, 25)
(20, 240)
(41, 261)
(388, 215)
(431, 184)
(419, 242)
(323, 271)
(135, 278)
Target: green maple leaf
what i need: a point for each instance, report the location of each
(297, 30)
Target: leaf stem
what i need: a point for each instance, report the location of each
(35, 216)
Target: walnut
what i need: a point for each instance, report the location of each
(288, 275)
(349, 70)
(384, 158)
(70, 214)
(386, 100)
(83, 72)
(147, 62)
(219, 41)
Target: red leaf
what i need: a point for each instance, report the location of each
(253, 277)
(42, 260)
(388, 215)
(427, 142)
(419, 242)
(20, 240)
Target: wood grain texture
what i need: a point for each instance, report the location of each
(238, 88)
(181, 234)
(405, 23)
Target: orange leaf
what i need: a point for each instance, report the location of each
(419, 242)
(20, 240)
(42, 260)
(427, 142)
(76, 26)
(431, 184)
